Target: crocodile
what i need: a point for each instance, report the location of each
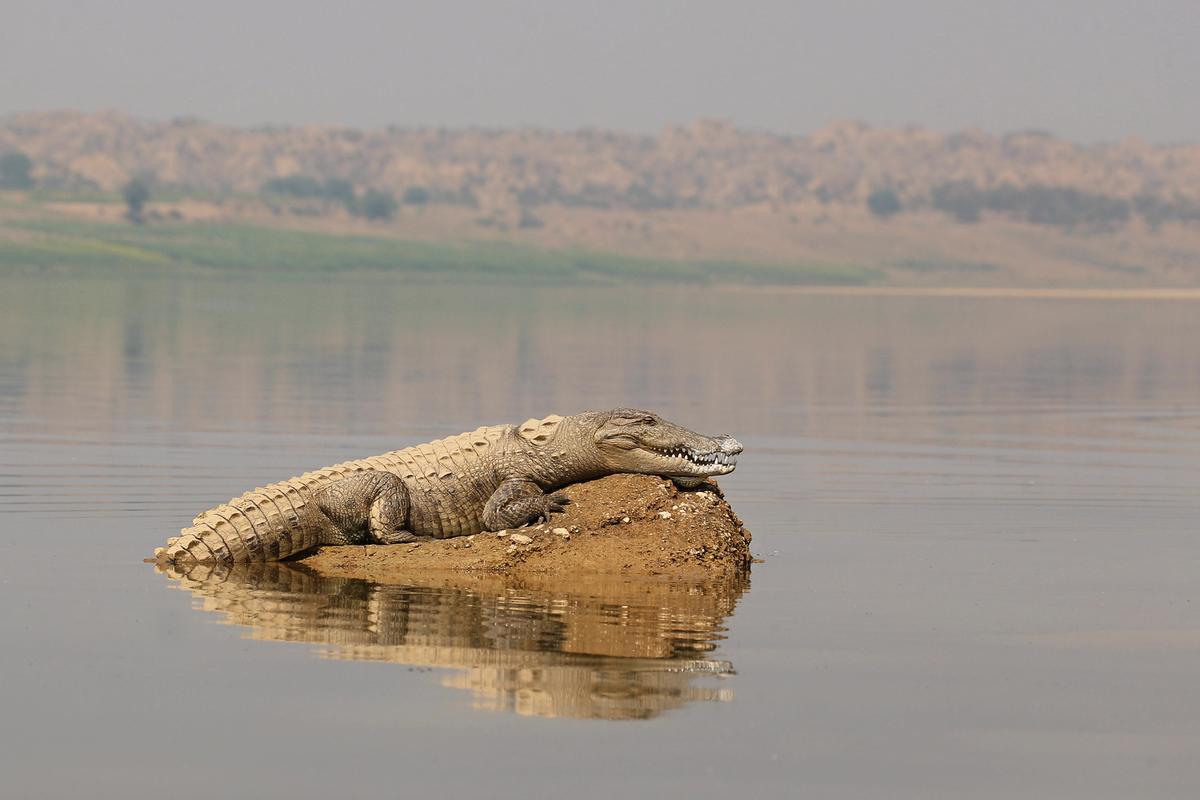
(492, 478)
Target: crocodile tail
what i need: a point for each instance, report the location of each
(262, 525)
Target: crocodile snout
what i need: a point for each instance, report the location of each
(730, 445)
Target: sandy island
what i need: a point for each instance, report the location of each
(635, 525)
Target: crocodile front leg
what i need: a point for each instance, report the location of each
(517, 502)
(370, 506)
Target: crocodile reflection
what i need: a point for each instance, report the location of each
(594, 648)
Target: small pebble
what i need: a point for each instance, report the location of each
(501, 534)
(625, 520)
(512, 548)
(664, 514)
(561, 532)
(520, 538)
(467, 543)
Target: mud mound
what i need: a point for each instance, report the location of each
(618, 525)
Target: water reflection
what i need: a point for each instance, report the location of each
(364, 354)
(601, 647)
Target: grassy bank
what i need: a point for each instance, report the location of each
(55, 242)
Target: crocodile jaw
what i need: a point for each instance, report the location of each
(691, 465)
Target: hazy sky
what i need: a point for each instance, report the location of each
(1084, 69)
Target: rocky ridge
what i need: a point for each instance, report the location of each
(707, 164)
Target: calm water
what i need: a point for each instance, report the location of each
(977, 517)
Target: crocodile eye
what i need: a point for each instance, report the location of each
(649, 421)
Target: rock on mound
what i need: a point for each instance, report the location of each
(621, 524)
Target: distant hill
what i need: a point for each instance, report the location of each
(910, 205)
(708, 164)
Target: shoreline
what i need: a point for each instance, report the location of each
(986, 292)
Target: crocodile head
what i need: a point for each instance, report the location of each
(630, 440)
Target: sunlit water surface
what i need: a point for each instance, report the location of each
(977, 519)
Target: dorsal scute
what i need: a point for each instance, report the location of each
(540, 430)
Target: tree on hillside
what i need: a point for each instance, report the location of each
(1040, 204)
(14, 171)
(136, 193)
(416, 196)
(528, 219)
(294, 185)
(883, 203)
(306, 187)
(377, 204)
(960, 199)
(340, 190)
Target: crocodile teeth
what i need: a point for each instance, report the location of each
(702, 459)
